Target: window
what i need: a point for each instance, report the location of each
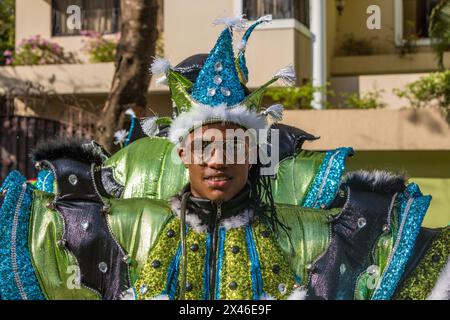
(98, 15)
(280, 9)
(416, 15)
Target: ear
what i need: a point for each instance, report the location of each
(182, 155)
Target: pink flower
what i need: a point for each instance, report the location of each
(8, 61)
(7, 53)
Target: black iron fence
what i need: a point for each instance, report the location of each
(18, 136)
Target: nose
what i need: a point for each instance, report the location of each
(216, 160)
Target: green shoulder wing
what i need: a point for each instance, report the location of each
(307, 238)
(148, 168)
(136, 224)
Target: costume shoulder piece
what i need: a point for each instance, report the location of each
(72, 243)
(375, 247)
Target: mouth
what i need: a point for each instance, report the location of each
(218, 180)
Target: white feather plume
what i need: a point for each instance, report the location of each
(160, 66)
(130, 112)
(120, 136)
(235, 23)
(149, 126)
(287, 75)
(275, 112)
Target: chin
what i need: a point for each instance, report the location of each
(218, 195)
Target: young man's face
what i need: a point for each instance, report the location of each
(217, 162)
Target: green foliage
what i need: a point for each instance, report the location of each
(368, 100)
(439, 30)
(39, 51)
(293, 97)
(7, 8)
(302, 97)
(99, 47)
(356, 47)
(433, 87)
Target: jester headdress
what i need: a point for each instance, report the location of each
(219, 93)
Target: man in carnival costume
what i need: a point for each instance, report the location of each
(242, 225)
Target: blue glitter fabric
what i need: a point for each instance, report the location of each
(130, 132)
(45, 180)
(326, 183)
(172, 275)
(206, 269)
(220, 63)
(220, 261)
(242, 60)
(17, 278)
(413, 206)
(255, 267)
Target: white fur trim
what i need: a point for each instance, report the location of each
(196, 224)
(267, 297)
(441, 290)
(160, 66)
(239, 114)
(298, 294)
(191, 219)
(237, 221)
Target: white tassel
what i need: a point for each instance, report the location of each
(120, 136)
(130, 112)
(275, 112)
(235, 23)
(160, 66)
(267, 18)
(287, 75)
(162, 81)
(149, 126)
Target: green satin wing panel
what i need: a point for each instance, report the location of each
(148, 168)
(136, 224)
(56, 268)
(309, 235)
(294, 176)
